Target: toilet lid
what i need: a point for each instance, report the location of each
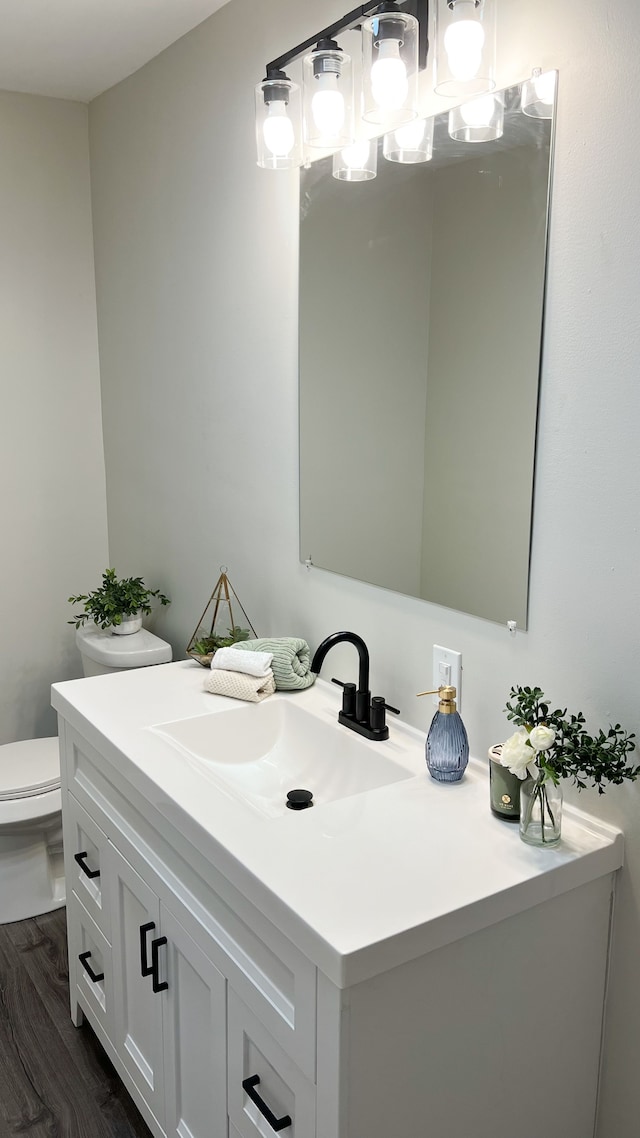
(28, 768)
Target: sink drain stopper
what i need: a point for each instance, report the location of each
(299, 799)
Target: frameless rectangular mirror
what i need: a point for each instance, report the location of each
(421, 309)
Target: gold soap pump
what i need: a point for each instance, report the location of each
(447, 695)
(447, 746)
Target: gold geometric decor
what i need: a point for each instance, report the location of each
(223, 622)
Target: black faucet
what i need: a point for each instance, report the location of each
(359, 712)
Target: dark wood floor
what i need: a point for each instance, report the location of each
(55, 1080)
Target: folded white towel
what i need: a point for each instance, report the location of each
(251, 663)
(239, 686)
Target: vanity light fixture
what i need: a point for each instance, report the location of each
(411, 143)
(465, 47)
(538, 94)
(395, 46)
(480, 120)
(358, 162)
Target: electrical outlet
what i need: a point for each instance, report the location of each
(447, 671)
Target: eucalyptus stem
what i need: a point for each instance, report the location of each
(549, 811)
(529, 810)
(541, 796)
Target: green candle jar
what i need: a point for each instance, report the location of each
(504, 788)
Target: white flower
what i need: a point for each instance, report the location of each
(517, 755)
(541, 738)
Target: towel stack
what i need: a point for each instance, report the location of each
(241, 675)
(253, 669)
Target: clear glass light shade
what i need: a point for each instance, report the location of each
(480, 120)
(410, 143)
(538, 94)
(390, 69)
(328, 99)
(358, 162)
(465, 47)
(278, 124)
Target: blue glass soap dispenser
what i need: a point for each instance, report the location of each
(447, 747)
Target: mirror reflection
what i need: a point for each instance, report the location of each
(421, 305)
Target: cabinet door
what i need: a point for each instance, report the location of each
(135, 911)
(194, 1020)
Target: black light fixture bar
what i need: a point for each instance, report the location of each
(353, 19)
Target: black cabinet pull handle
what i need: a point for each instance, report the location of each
(249, 1085)
(156, 945)
(95, 976)
(146, 969)
(79, 857)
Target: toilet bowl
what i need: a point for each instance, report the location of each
(31, 858)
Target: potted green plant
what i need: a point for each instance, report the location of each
(551, 745)
(117, 604)
(204, 649)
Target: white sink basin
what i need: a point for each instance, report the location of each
(260, 752)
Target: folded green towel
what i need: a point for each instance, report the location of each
(291, 664)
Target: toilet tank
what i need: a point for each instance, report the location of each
(102, 652)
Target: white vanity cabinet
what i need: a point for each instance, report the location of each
(228, 1015)
(154, 978)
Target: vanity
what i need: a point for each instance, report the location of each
(393, 962)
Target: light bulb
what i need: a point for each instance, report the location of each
(389, 83)
(356, 155)
(463, 43)
(277, 130)
(410, 136)
(478, 112)
(327, 106)
(545, 87)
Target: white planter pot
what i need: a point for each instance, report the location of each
(129, 624)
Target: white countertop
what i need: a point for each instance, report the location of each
(360, 884)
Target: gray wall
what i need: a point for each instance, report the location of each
(196, 272)
(53, 509)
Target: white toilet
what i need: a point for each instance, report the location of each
(31, 862)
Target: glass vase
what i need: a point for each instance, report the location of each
(540, 812)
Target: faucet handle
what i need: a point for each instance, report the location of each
(379, 701)
(348, 698)
(378, 708)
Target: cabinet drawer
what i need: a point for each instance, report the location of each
(267, 1093)
(90, 964)
(85, 847)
